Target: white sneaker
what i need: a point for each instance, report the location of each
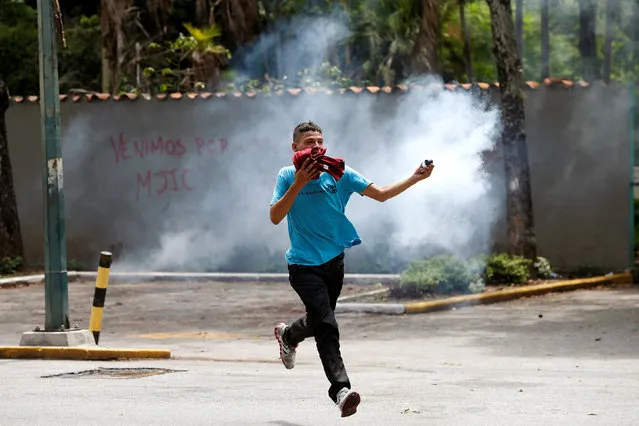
(347, 401)
(287, 353)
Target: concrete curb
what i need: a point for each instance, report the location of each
(356, 296)
(371, 308)
(515, 293)
(482, 299)
(26, 279)
(80, 353)
(212, 276)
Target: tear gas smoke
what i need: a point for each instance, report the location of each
(386, 137)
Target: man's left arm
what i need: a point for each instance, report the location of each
(387, 192)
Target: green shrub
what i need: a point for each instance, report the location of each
(543, 268)
(477, 284)
(10, 265)
(442, 274)
(503, 268)
(587, 271)
(448, 274)
(75, 265)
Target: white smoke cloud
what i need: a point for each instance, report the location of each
(225, 225)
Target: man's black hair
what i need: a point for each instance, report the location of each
(307, 126)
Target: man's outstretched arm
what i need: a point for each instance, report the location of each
(280, 209)
(387, 192)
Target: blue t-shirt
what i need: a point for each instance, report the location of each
(318, 228)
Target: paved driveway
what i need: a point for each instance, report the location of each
(570, 358)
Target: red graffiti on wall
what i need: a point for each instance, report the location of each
(156, 183)
(151, 182)
(210, 146)
(125, 149)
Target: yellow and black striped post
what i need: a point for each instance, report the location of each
(101, 284)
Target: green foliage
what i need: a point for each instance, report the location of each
(378, 49)
(447, 274)
(10, 265)
(442, 274)
(385, 31)
(19, 47)
(177, 64)
(586, 271)
(75, 265)
(80, 64)
(325, 76)
(481, 43)
(504, 268)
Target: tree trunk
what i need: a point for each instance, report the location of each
(607, 50)
(588, 39)
(202, 13)
(347, 55)
(106, 69)
(521, 236)
(113, 14)
(10, 235)
(635, 34)
(464, 31)
(519, 28)
(160, 11)
(279, 55)
(545, 41)
(424, 56)
(240, 20)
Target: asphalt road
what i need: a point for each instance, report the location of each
(569, 358)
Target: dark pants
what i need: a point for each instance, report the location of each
(319, 287)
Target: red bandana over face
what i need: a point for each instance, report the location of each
(333, 166)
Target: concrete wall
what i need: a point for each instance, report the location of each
(185, 184)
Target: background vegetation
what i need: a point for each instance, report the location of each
(173, 45)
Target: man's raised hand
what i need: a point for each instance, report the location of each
(306, 173)
(422, 173)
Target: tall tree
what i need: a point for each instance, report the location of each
(519, 27)
(113, 15)
(424, 57)
(239, 19)
(10, 235)
(588, 39)
(202, 13)
(521, 235)
(545, 41)
(607, 49)
(465, 39)
(160, 11)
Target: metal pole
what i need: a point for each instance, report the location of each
(55, 262)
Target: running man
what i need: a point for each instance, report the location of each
(314, 204)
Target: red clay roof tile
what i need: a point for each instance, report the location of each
(77, 97)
